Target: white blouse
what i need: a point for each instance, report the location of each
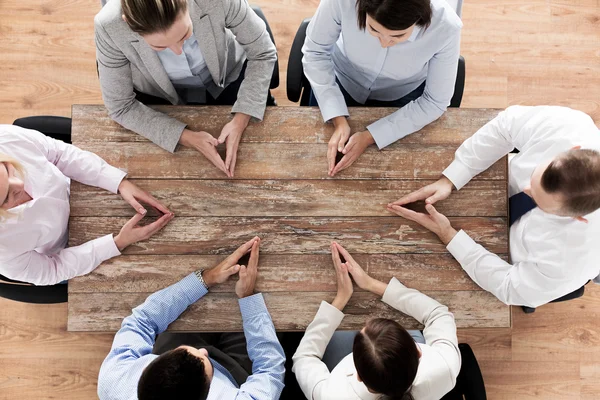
(32, 243)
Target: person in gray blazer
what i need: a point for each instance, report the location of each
(184, 52)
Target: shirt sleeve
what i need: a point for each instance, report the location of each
(439, 88)
(42, 269)
(311, 373)
(82, 166)
(439, 331)
(521, 283)
(322, 33)
(138, 331)
(264, 350)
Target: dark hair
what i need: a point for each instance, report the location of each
(386, 358)
(575, 174)
(395, 15)
(151, 16)
(176, 374)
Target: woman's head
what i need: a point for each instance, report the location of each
(164, 24)
(386, 357)
(392, 21)
(12, 187)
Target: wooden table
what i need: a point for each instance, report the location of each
(282, 193)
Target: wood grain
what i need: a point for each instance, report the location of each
(288, 235)
(327, 198)
(105, 311)
(282, 161)
(280, 125)
(277, 273)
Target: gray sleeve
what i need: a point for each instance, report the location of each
(251, 32)
(116, 83)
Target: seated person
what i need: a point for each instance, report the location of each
(554, 189)
(35, 179)
(194, 371)
(380, 53)
(382, 358)
(184, 52)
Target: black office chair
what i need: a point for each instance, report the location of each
(298, 87)
(56, 128)
(573, 295)
(469, 383)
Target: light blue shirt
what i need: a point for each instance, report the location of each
(336, 47)
(131, 351)
(188, 71)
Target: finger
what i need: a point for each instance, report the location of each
(134, 220)
(331, 153)
(233, 162)
(351, 143)
(233, 270)
(345, 253)
(344, 163)
(254, 255)
(136, 205)
(230, 151)
(157, 225)
(412, 197)
(243, 272)
(335, 256)
(216, 159)
(224, 134)
(149, 199)
(435, 214)
(342, 141)
(243, 249)
(436, 197)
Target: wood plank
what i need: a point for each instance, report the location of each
(282, 161)
(220, 198)
(220, 235)
(280, 125)
(105, 311)
(277, 273)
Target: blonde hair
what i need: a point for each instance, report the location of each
(151, 16)
(4, 158)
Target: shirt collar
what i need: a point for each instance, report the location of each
(415, 33)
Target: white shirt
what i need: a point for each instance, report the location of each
(336, 47)
(439, 364)
(32, 243)
(551, 256)
(188, 71)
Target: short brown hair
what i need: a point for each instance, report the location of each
(575, 175)
(395, 15)
(386, 358)
(151, 16)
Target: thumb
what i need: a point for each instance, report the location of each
(234, 270)
(432, 211)
(437, 196)
(134, 220)
(243, 271)
(224, 135)
(137, 206)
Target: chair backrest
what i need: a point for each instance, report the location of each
(469, 383)
(297, 85)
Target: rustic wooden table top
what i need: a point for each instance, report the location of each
(281, 192)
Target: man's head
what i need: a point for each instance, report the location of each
(392, 21)
(568, 185)
(184, 373)
(164, 24)
(386, 357)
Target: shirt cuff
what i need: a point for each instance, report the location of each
(383, 133)
(193, 288)
(332, 107)
(460, 247)
(111, 178)
(391, 292)
(458, 173)
(252, 305)
(171, 139)
(106, 248)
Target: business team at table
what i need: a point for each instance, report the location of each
(356, 53)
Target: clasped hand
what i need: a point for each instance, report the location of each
(350, 146)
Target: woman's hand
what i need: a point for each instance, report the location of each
(362, 279)
(344, 283)
(228, 266)
(132, 233)
(206, 144)
(439, 190)
(232, 134)
(357, 145)
(434, 221)
(337, 142)
(132, 194)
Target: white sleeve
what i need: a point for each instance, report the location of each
(77, 164)
(311, 372)
(42, 269)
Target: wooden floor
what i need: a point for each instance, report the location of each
(517, 52)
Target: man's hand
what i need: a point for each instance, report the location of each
(228, 266)
(206, 144)
(132, 233)
(232, 134)
(134, 196)
(434, 221)
(437, 191)
(338, 141)
(344, 283)
(357, 145)
(245, 285)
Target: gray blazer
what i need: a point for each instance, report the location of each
(228, 33)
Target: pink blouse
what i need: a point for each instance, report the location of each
(33, 242)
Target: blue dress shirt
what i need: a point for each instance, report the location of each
(336, 47)
(131, 351)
